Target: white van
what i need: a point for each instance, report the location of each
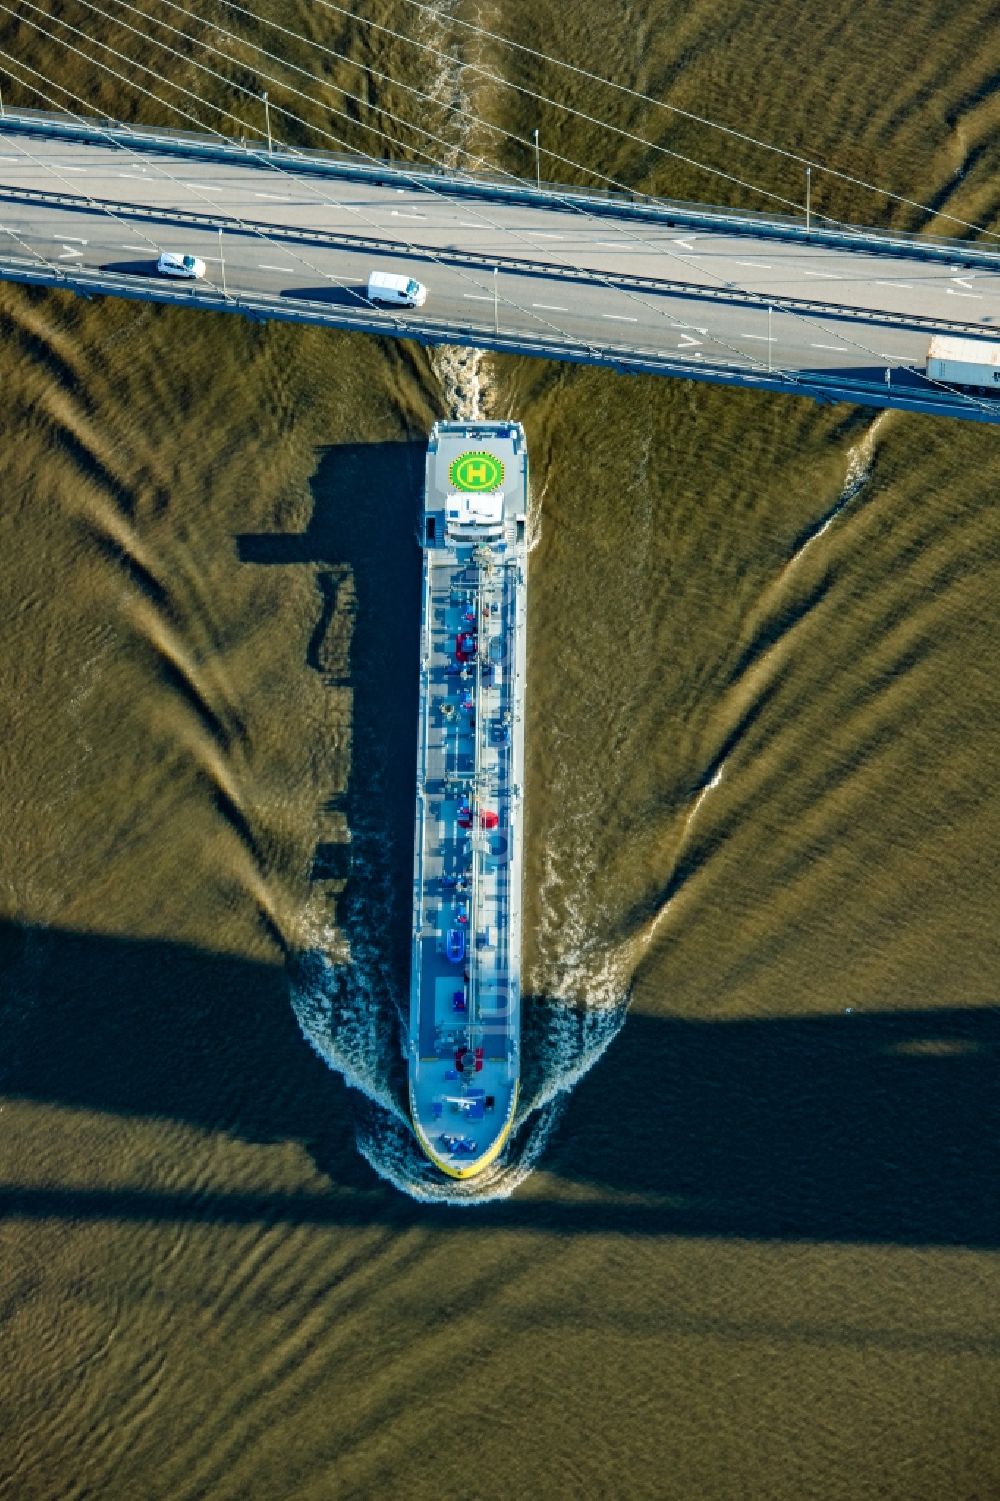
(191, 267)
(397, 291)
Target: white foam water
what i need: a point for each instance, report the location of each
(462, 373)
(340, 1014)
(350, 1017)
(860, 459)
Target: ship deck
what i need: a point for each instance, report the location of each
(465, 984)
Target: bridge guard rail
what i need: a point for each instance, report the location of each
(620, 358)
(612, 203)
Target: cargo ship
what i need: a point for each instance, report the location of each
(463, 1046)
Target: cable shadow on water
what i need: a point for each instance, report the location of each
(850, 1128)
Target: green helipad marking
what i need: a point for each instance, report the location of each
(476, 471)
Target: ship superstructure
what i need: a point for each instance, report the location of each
(465, 986)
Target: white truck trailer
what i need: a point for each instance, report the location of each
(971, 364)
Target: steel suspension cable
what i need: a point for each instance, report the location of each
(424, 251)
(758, 299)
(681, 325)
(420, 251)
(676, 109)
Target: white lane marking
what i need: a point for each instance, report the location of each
(399, 214)
(550, 307)
(148, 248)
(961, 281)
(66, 168)
(470, 224)
(755, 265)
(11, 158)
(685, 244)
(477, 297)
(545, 234)
(764, 338)
(263, 267)
(136, 176)
(68, 253)
(687, 342)
(612, 244)
(619, 317)
(278, 197)
(823, 275)
(904, 286)
(974, 295)
(73, 240)
(837, 348)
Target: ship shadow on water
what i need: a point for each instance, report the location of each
(862, 1128)
(361, 543)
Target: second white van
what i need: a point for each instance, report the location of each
(396, 291)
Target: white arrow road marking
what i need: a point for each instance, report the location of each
(68, 252)
(687, 342)
(961, 281)
(685, 244)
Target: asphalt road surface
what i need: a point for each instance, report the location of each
(281, 234)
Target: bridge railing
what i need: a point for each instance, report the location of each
(612, 202)
(864, 389)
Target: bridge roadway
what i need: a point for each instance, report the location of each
(717, 303)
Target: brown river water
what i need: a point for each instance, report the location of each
(744, 1242)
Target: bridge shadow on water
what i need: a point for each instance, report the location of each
(846, 1128)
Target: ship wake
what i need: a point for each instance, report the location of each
(351, 1009)
(356, 1030)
